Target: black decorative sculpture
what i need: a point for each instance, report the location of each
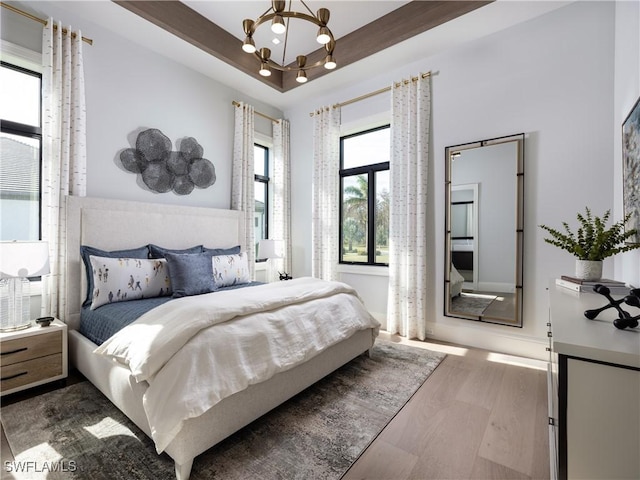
(284, 276)
(624, 319)
(162, 169)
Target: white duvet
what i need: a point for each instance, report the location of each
(196, 351)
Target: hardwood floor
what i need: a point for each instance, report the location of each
(480, 415)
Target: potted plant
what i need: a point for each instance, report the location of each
(592, 242)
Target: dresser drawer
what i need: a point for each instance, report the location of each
(30, 371)
(29, 348)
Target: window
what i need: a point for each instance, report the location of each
(364, 203)
(261, 171)
(20, 153)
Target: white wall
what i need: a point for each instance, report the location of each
(130, 88)
(626, 92)
(551, 78)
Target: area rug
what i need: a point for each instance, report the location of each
(471, 304)
(76, 433)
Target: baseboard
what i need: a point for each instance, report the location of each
(473, 336)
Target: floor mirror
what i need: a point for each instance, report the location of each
(484, 218)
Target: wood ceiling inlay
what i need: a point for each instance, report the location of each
(401, 24)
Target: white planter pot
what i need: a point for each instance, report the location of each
(589, 270)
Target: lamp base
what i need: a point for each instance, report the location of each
(15, 304)
(16, 327)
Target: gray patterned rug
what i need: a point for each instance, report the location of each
(318, 434)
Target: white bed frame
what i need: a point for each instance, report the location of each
(117, 224)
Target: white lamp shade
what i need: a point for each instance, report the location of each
(268, 248)
(24, 259)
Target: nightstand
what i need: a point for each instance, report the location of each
(33, 356)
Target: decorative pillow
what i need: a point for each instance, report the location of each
(230, 269)
(123, 279)
(86, 251)
(159, 252)
(222, 251)
(191, 273)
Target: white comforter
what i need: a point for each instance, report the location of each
(193, 355)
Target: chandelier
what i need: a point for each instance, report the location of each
(277, 14)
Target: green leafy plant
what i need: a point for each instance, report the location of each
(592, 240)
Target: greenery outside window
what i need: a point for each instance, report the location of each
(20, 153)
(261, 175)
(364, 202)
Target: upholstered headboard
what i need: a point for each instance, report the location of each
(118, 224)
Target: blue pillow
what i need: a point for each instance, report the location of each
(222, 251)
(160, 252)
(190, 273)
(86, 251)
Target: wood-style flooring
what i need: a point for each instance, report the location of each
(480, 415)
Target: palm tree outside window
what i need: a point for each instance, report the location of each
(364, 203)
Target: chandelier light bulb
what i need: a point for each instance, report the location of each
(248, 45)
(264, 70)
(277, 25)
(323, 36)
(330, 62)
(301, 77)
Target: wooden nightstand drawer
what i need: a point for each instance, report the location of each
(29, 348)
(33, 356)
(30, 371)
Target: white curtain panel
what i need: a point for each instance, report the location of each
(280, 228)
(326, 193)
(243, 177)
(408, 285)
(64, 153)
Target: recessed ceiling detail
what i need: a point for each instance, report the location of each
(400, 24)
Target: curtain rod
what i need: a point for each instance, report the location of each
(43, 22)
(274, 120)
(373, 94)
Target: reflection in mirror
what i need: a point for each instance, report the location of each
(484, 230)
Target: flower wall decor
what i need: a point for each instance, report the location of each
(631, 170)
(162, 169)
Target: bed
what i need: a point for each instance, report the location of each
(116, 225)
(456, 281)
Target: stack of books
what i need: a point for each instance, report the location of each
(615, 287)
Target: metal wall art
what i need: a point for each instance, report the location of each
(631, 169)
(162, 169)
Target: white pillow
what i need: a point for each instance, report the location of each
(230, 270)
(122, 279)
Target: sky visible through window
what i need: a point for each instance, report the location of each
(19, 97)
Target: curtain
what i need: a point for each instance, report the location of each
(326, 194)
(243, 178)
(408, 229)
(64, 153)
(281, 181)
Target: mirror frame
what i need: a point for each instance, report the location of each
(519, 233)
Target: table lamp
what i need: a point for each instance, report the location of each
(269, 248)
(18, 261)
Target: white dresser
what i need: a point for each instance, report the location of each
(594, 385)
